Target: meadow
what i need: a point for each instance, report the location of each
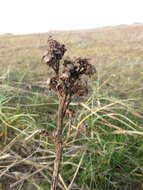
(103, 149)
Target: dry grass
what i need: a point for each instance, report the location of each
(103, 149)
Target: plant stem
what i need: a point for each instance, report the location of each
(59, 142)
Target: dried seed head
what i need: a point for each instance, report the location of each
(69, 80)
(84, 67)
(80, 88)
(90, 70)
(54, 54)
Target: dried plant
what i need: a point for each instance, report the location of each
(67, 82)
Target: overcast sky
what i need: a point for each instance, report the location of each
(33, 16)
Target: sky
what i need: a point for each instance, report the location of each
(36, 16)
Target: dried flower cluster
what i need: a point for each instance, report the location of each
(69, 81)
(54, 54)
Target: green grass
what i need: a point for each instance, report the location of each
(103, 144)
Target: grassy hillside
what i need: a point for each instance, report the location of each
(104, 144)
(114, 51)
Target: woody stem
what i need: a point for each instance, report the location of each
(58, 142)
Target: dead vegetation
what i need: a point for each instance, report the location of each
(67, 82)
(102, 133)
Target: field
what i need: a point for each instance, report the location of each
(103, 148)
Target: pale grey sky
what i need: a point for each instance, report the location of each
(33, 16)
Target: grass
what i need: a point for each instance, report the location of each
(104, 142)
